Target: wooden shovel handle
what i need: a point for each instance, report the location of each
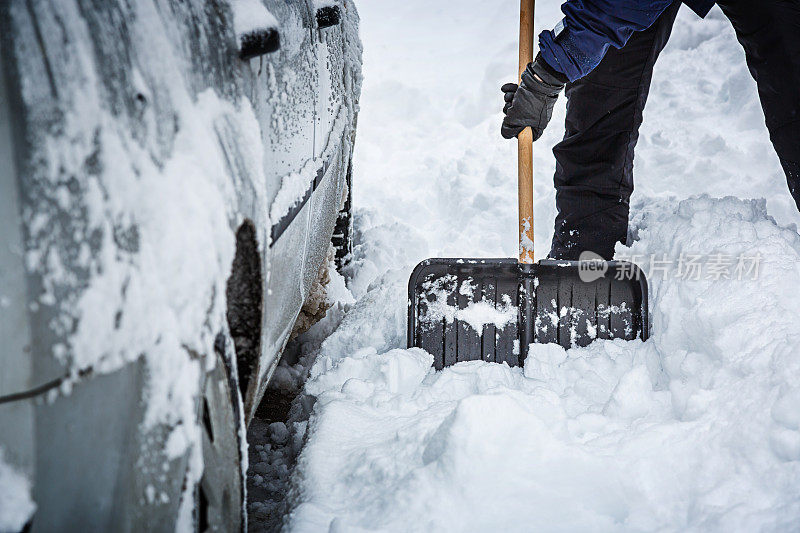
(525, 142)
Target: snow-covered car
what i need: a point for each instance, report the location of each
(172, 174)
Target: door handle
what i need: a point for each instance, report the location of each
(259, 42)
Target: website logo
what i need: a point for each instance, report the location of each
(591, 267)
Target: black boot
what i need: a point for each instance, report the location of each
(588, 221)
(792, 171)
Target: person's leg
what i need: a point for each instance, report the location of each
(769, 31)
(594, 162)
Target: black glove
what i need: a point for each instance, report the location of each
(531, 103)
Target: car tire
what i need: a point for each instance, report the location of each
(219, 496)
(342, 239)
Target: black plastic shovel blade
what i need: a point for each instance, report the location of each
(492, 309)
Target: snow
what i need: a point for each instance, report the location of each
(476, 314)
(695, 429)
(319, 4)
(166, 240)
(479, 314)
(16, 505)
(250, 16)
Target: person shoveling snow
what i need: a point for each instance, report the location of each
(604, 52)
(694, 430)
(570, 303)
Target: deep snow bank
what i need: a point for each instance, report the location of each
(695, 429)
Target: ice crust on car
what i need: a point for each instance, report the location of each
(319, 4)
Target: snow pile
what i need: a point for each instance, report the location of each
(696, 429)
(250, 16)
(16, 506)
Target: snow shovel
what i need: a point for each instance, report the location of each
(493, 309)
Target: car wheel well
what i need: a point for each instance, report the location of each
(244, 294)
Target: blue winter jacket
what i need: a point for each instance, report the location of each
(590, 27)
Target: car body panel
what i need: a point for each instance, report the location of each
(124, 469)
(141, 143)
(17, 365)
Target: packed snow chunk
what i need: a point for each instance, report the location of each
(785, 436)
(460, 441)
(16, 505)
(278, 433)
(397, 372)
(785, 444)
(251, 16)
(376, 321)
(481, 313)
(543, 360)
(632, 395)
(786, 409)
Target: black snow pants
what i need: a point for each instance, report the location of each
(594, 161)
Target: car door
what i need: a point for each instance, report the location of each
(333, 124)
(282, 91)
